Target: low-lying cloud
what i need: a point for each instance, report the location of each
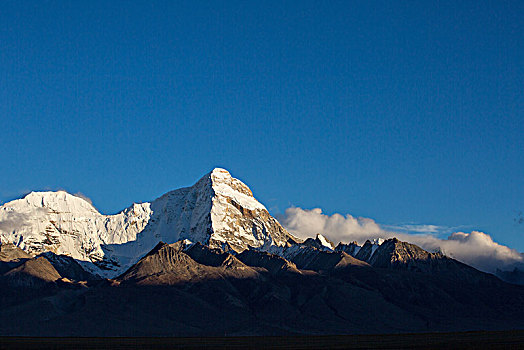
(475, 248)
(304, 223)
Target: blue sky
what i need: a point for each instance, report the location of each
(404, 112)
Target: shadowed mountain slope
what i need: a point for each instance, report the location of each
(274, 264)
(69, 268)
(308, 257)
(32, 272)
(186, 289)
(396, 254)
(169, 264)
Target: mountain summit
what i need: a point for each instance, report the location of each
(216, 211)
(219, 211)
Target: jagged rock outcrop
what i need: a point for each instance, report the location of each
(396, 254)
(170, 264)
(319, 242)
(273, 263)
(10, 252)
(351, 248)
(17, 268)
(311, 258)
(11, 256)
(367, 250)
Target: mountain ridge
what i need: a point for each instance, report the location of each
(209, 259)
(217, 210)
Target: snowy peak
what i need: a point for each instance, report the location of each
(218, 210)
(224, 184)
(238, 219)
(325, 242)
(320, 242)
(59, 201)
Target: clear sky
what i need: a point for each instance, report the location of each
(401, 111)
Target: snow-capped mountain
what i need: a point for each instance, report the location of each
(218, 210)
(210, 256)
(61, 223)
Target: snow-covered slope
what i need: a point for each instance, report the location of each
(65, 224)
(325, 242)
(218, 209)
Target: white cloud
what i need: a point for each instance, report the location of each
(416, 228)
(12, 221)
(475, 248)
(305, 223)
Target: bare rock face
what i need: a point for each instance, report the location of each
(164, 264)
(11, 256)
(396, 254)
(170, 264)
(68, 268)
(367, 250)
(10, 252)
(32, 273)
(274, 264)
(320, 242)
(308, 257)
(350, 248)
(20, 269)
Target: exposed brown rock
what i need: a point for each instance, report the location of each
(32, 272)
(10, 252)
(169, 264)
(272, 263)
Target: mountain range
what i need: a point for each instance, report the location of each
(218, 210)
(210, 260)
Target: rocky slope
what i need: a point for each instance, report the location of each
(187, 289)
(169, 264)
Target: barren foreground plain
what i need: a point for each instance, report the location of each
(462, 340)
